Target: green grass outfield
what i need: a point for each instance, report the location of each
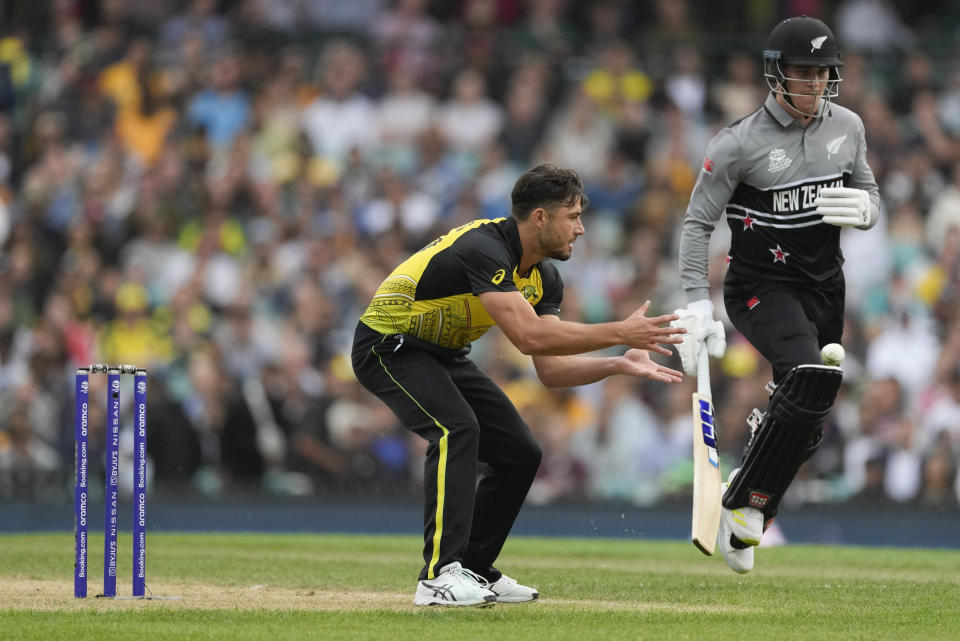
(266, 586)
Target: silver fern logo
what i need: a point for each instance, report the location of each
(817, 42)
(834, 145)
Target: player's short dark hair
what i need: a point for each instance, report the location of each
(545, 186)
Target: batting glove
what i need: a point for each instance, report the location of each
(716, 340)
(702, 333)
(844, 207)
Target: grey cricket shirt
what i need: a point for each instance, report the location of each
(764, 173)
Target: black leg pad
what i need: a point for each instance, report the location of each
(790, 433)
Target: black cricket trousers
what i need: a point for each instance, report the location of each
(788, 323)
(442, 396)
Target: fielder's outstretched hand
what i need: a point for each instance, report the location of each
(645, 333)
(637, 362)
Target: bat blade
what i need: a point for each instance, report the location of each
(706, 476)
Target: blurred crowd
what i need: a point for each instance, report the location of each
(214, 190)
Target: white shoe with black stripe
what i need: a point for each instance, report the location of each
(509, 591)
(454, 585)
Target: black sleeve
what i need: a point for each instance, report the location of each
(486, 262)
(552, 291)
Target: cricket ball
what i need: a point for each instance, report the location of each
(832, 354)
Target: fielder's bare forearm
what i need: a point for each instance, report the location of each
(571, 371)
(549, 336)
(565, 338)
(538, 336)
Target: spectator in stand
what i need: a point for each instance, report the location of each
(221, 111)
(925, 124)
(685, 85)
(943, 415)
(134, 337)
(944, 213)
(916, 77)
(405, 37)
(907, 335)
(579, 137)
(856, 84)
(949, 100)
(880, 413)
(607, 21)
(672, 26)
(873, 26)
(274, 146)
(399, 208)
(524, 121)
(339, 121)
(940, 491)
(122, 81)
(337, 16)
(476, 39)
(613, 445)
(469, 120)
(144, 128)
(616, 84)
(405, 110)
(562, 475)
(199, 19)
(737, 94)
(545, 30)
(27, 464)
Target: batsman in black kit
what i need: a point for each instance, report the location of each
(411, 346)
(787, 178)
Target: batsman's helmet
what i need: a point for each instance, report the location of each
(802, 41)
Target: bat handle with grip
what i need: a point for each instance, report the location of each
(703, 372)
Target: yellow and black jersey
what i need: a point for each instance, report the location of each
(433, 294)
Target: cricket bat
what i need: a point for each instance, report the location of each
(706, 463)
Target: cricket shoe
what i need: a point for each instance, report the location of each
(509, 591)
(740, 531)
(454, 585)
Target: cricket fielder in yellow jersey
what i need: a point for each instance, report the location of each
(411, 346)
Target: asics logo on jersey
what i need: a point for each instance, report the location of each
(498, 277)
(778, 160)
(834, 145)
(817, 42)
